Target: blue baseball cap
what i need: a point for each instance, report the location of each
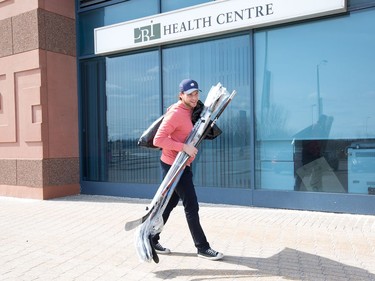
(187, 86)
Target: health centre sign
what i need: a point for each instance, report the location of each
(217, 17)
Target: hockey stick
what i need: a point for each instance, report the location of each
(166, 194)
(133, 224)
(174, 180)
(154, 222)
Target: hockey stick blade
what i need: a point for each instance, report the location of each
(133, 224)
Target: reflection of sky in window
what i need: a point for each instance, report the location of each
(347, 84)
(132, 94)
(223, 60)
(133, 86)
(108, 15)
(129, 10)
(169, 5)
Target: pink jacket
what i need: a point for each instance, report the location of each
(173, 132)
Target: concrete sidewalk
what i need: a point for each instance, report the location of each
(83, 238)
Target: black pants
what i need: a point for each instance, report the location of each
(186, 192)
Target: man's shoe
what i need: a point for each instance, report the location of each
(210, 255)
(161, 250)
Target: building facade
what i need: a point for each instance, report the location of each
(38, 99)
(300, 133)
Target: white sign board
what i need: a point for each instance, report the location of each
(208, 19)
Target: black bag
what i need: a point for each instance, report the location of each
(147, 138)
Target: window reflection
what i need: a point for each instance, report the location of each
(314, 105)
(170, 5)
(133, 94)
(225, 161)
(108, 15)
(132, 100)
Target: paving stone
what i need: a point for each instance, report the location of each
(82, 238)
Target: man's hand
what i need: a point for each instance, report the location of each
(190, 150)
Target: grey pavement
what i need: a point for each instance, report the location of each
(82, 238)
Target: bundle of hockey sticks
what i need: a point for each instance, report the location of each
(151, 223)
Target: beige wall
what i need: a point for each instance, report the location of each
(38, 99)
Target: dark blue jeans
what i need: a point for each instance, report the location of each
(186, 192)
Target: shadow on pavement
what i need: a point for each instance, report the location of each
(290, 264)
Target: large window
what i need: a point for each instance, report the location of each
(121, 12)
(314, 92)
(225, 161)
(133, 99)
(118, 111)
(121, 96)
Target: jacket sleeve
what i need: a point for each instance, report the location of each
(163, 138)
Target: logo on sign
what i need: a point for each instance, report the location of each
(147, 33)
